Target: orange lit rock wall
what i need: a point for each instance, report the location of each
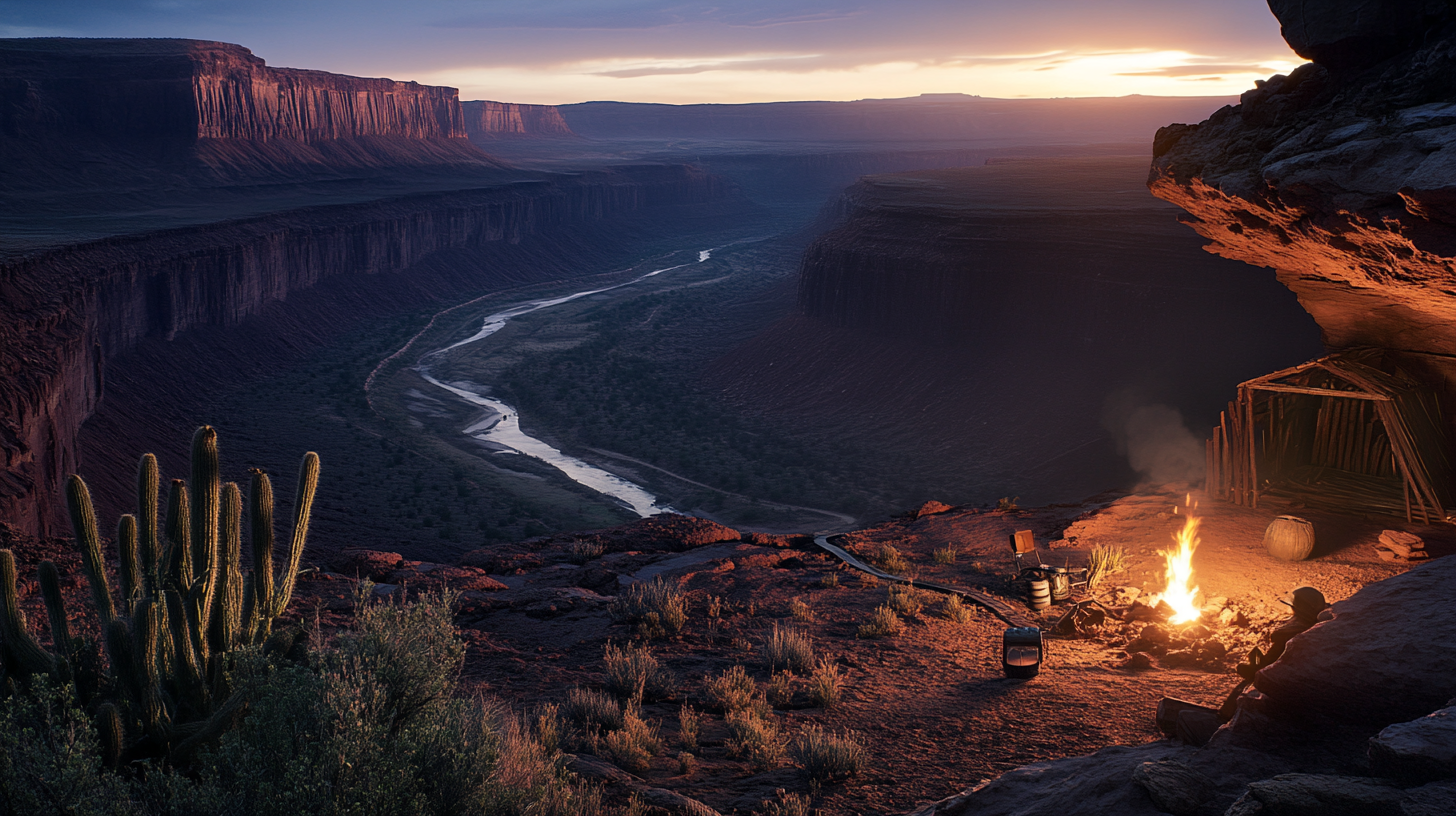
(1342, 179)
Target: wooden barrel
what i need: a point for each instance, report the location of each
(1041, 594)
(1289, 538)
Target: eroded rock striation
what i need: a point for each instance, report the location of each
(1341, 176)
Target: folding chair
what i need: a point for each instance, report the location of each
(1023, 549)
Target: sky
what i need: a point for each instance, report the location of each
(565, 51)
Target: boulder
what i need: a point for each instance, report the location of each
(1353, 33)
(375, 565)
(1387, 656)
(1423, 749)
(1173, 786)
(1319, 795)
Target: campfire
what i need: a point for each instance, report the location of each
(1180, 593)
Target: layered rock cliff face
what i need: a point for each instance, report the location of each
(219, 104)
(64, 314)
(1341, 176)
(495, 120)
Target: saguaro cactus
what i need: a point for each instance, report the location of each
(186, 606)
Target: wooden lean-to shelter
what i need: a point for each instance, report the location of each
(1347, 432)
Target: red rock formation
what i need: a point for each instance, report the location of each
(217, 103)
(64, 313)
(1342, 178)
(492, 120)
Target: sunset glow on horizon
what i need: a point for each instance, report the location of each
(565, 51)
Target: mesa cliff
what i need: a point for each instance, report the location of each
(493, 120)
(1341, 177)
(66, 314)
(218, 106)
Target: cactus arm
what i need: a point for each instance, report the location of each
(189, 671)
(83, 523)
(146, 652)
(108, 727)
(20, 646)
(260, 523)
(302, 508)
(55, 604)
(179, 537)
(206, 487)
(126, 544)
(227, 602)
(148, 487)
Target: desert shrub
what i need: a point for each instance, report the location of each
(634, 671)
(788, 649)
(715, 607)
(829, 580)
(1102, 562)
(892, 560)
(800, 610)
(733, 690)
(883, 622)
(868, 581)
(944, 556)
(658, 608)
(689, 726)
(580, 552)
(824, 684)
(905, 600)
(780, 689)
(50, 761)
(787, 804)
(634, 744)
(1007, 503)
(550, 727)
(686, 763)
(827, 757)
(954, 609)
(592, 710)
(754, 736)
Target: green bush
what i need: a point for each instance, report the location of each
(50, 761)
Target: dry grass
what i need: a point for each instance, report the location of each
(634, 671)
(800, 610)
(828, 757)
(824, 684)
(781, 690)
(658, 608)
(689, 727)
(892, 560)
(593, 711)
(905, 600)
(550, 727)
(883, 622)
(733, 690)
(634, 745)
(580, 552)
(953, 609)
(1102, 562)
(754, 736)
(829, 580)
(787, 804)
(945, 556)
(789, 649)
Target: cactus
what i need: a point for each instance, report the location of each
(131, 571)
(83, 523)
(186, 606)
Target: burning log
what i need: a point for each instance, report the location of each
(1396, 545)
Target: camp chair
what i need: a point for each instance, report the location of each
(1023, 551)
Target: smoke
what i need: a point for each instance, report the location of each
(1154, 439)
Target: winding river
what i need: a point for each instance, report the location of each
(501, 424)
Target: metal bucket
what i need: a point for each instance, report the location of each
(1061, 584)
(1041, 593)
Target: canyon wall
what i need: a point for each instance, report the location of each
(493, 120)
(220, 104)
(1341, 177)
(66, 313)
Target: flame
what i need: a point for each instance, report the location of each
(1181, 594)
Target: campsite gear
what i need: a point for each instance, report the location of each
(1081, 616)
(1307, 602)
(1023, 549)
(1041, 593)
(1021, 652)
(1289, 538)
(1170, 707)
(1061, 583)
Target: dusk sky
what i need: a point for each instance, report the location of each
(562, 51)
